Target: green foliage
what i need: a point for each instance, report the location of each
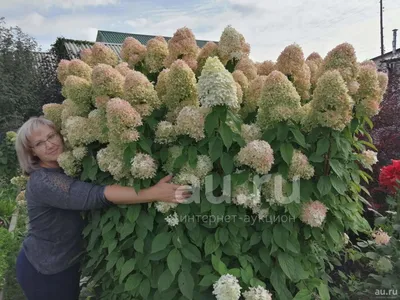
(5, 242)
(8, 159)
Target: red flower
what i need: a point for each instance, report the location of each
(389, 175)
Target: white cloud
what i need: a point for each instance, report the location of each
(46, 4)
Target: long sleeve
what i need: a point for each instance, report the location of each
(56, 189)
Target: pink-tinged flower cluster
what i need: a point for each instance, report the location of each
(368, 96)
(101, 54)
(265, 68)
(279, 101)
(77, 133)
(161, 86)
(181, 88)
(52, 112)
(87, 56)
(381, 237)
(107, 81)
(62, 70)
(69, 163)
(165, 133)
(369, 158)
(122, 119)
(101, 102)
(300, 167)
(383, 82)
(247, 66)
(240, 78)
(209, 50)
(314, 56)
(123, 68)
(257, 155)
(98, 125)
(250, 132)
(314, 61)
(183, 46)
(216, 85)
(157, 52)
(190, 121)
(110, 159)
(72, 109)
(79, 153)
(140, 93)
(239, 94)
(343, 59)
(331, 105)
(132, 51)
(257, 293)
(21, 201)
(291, 63)
(232, 45)
(143, 166)
(313, 213)
(74, 67)
(252, 95)
(370, 63)
(78, 90)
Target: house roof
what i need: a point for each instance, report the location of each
(119, 37)
(74, 48)
(386, 54)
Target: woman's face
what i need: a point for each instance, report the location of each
(46, 144)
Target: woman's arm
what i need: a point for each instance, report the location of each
(162, 191)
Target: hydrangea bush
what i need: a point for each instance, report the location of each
(270, 149)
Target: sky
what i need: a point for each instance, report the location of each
(268, 25)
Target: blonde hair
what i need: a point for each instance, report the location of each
(27, 160)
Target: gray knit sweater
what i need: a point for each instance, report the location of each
(55, 201)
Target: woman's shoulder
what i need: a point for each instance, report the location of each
(53, 179)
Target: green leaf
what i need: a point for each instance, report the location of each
(165, 280)
(133, 212)
(133, 282)
(192, 253)
(144, 289)
(339, 185)
(235, 272)
(336, 167)
(323, 291)
(278, 281)
(192, 153)
(247, 274)
(303, 295)
(255, 238)
(299, 137)
(334, 234)
(283, 130)
(160, 242)
(126, 269)
(211, 122)
(227, 163)
(316, 158)
(280, 235)
(293, 244)
(287, 264)
(215, 150)
(180, 161)
(208, 280)
(266, 237)
(218, 265)
(210, 245)
(287, 152)
(322, 146)
(186, 284)
(138, 245)
(174, 261)
(129, 153)
(126, 230)
(324, 185)
(226, 134)
(145, 144)
(223, 235)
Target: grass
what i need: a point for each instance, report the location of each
(7, 204)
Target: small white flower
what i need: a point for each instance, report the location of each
(172, 220)
(257, 293)
(227, 288)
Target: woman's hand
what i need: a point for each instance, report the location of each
(165, 191)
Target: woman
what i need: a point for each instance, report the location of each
(47, 265)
